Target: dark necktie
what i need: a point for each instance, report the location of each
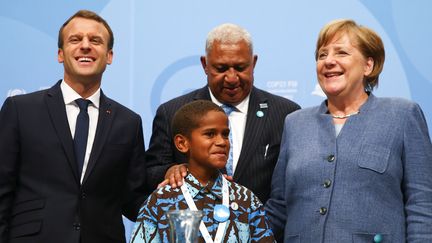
(229, 165)
(81, 133)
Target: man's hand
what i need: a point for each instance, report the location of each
(174, 176)
(230, 178)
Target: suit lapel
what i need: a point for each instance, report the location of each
(255, 124)
(105, 118)
(202, 94)
(57, 111)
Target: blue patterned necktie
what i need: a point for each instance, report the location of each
(81, 133)
(229, 165)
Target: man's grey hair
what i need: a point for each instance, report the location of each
(228, 34)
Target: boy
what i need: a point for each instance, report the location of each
(200, 131)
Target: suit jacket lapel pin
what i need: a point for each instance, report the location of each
(108, 111)
(263, 105)
(260, 113)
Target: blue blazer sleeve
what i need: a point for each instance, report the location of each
(417, 183)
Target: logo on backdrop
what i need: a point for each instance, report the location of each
(284, 88)
(17, 91)
(166, 74)
(13, 92)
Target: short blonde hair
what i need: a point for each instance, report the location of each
(366, 40)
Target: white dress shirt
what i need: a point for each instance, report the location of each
(237, 120)
(72, 110)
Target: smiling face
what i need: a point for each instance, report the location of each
(341, 68)
(207, 146)
(229, 68)
(85, 51)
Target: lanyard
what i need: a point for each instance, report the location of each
(203, 228)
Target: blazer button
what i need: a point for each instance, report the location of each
(327, 183)
(83, 195)
(331, 158)
(377, 238)
(77, 226)
(323, 210)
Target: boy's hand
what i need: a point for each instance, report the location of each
(174, 176)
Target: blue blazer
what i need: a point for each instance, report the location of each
(372, 181)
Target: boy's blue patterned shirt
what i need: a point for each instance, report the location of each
(246, 224)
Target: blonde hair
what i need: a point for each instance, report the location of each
(366, 40)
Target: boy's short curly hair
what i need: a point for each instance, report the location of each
(189, 116)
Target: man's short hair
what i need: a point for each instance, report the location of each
(86, 14)
(188, 117)
(228, 34)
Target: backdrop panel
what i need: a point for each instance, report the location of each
(158, 45)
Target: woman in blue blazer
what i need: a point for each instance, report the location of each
(357, 168)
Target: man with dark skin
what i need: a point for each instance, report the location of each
(256, 121)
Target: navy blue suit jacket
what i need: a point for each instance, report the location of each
(255, 165)
(41, 198)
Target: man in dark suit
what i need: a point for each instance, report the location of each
(55, 186)
(256, 121)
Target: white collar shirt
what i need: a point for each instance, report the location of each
(72, 110)
(237, 120)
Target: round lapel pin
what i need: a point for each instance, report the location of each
(259, 114)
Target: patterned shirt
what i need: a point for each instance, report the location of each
(247, 223)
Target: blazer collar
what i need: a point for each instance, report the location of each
(364, 108)
(255, 123)
(354, 125)
(57, 111)
(202, 94)
(107, 112)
